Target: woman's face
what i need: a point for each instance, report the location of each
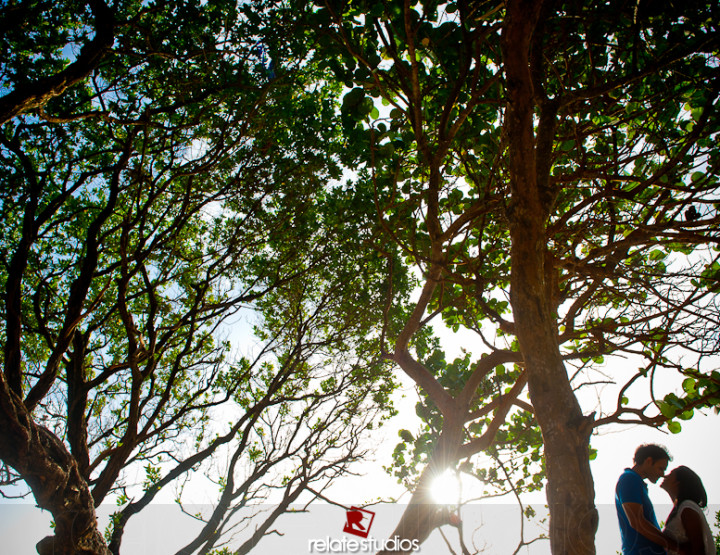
(670, 484)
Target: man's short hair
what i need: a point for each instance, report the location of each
(655, 452)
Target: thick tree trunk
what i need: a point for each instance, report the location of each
(570, 492)
(566, 433)
(53, 475)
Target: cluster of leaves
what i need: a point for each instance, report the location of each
(635, 232)
(498, 469)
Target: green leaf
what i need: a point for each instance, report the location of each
(686, 415)
(657, 254)
(689, 385)
(667, 410)
(406, 436)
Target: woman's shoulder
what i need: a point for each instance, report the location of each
(690, 504)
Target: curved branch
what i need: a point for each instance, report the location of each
(36, 94)
(486, 440)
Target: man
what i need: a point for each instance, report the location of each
(639, 528)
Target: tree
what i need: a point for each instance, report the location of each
(150, 199)
(550, 169)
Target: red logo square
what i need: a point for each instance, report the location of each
(358, 522)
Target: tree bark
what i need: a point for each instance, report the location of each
(53, 475)
(570, 492)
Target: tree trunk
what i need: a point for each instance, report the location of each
(570, 492)
(422, 514)
(53, 475)
(566, 433)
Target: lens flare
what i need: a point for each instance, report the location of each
(445, 489)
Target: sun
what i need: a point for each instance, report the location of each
(445, 489)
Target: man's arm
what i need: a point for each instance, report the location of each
(636, 518)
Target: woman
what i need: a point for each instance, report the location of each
(686, 523)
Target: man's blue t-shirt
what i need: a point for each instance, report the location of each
(631, 488)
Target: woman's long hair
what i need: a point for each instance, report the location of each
(690, 487)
